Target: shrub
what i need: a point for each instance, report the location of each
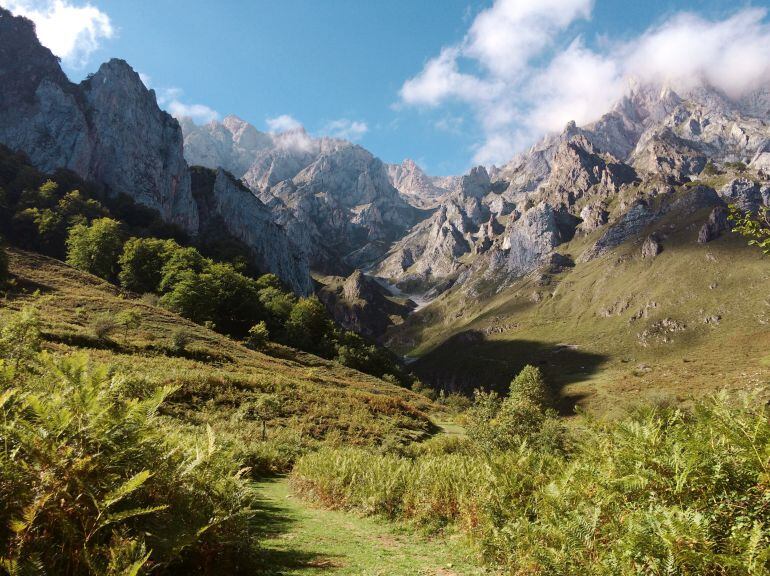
(309, 327)
(142, 261)
(103, 326)
(529, 386)
(130, 319)
(180, 338)
(496, 423)
(96, 248)
(20, 337)
(710, 169)
(661, 491)
(258, 336)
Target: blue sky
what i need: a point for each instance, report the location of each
(340, 66)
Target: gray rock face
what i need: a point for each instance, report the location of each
(108, 129)
(362, 305)
(628, 226)
(745, 193)
(664, 153)
(621, 174)
(334, 198)
(137, 146)
(232, 144)
(346, 206)
(528, 242)
(464, 224)
(417, 188)
(716, 224)
(224, 201)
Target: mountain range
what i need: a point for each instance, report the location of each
(401, 256)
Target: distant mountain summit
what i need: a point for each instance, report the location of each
(417, 187)
(109, 129)
(334, 197)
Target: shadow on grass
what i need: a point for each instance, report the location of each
(468, 361)
(79, 340)
(275, 522)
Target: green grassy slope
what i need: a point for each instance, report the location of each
(613, 331)
(218, 379)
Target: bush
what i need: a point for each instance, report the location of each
(103, 326)
(142, 262)
(94, 481)
(180, 338)
(309, 327)
(20, 338)
(496, 423)
(129, 319)
(96, 248)
(529, 386)
(258, 336)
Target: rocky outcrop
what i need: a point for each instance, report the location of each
(746, 194)
(528, 241)
(465, 223)
(715, 226)
(224, 202)
(334, 198)
(108, 129)
(651, 246)
(231, 144)
(630, 224)
(348, 211)
(665, 154)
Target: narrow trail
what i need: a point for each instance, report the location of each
(302, 540)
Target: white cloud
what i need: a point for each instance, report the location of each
(506, 36)
(283, 123)
(170, 99)
(732, 54)
(345, 129)
(441, 79)
(524, 70)
(71, 31)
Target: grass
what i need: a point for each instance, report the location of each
(660, 491)
(596, 330)
(304, 540)
(218, 379)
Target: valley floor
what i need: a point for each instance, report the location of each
(301, 540)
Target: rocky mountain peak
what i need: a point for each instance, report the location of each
(24, 62)
(476, 183)
(417, 188)
(110, 130)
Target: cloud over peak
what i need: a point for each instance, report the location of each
(283, 123)
(525, 70)
(70, 30)
(345, 129)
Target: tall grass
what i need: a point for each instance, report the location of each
(660, 492)
(94, 481)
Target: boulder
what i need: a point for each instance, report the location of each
(716, 224)
(651, 246)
